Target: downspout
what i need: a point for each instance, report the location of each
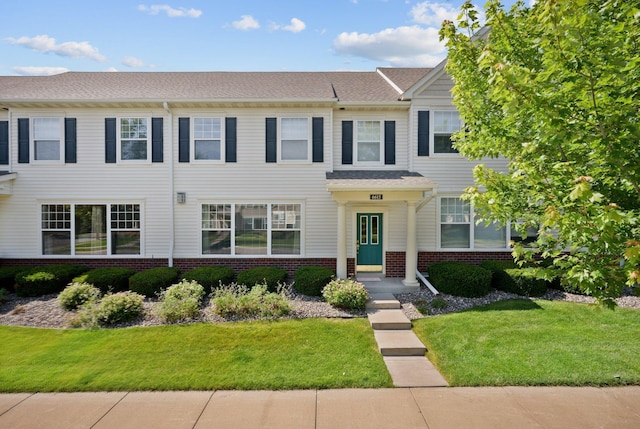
(171, 187)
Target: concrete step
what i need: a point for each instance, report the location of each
(413, 371)
(383, 300)
(388, 319)
(399, 343)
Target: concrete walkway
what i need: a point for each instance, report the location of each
(432, 408)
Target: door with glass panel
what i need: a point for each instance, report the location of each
(369, 242)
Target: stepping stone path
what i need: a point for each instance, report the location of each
(402, 351)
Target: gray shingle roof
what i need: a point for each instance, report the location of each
(372, 179)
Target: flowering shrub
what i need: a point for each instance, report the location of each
(180, 302)
(77, 294)
(111, 309)
(348, 294)
(238, 300)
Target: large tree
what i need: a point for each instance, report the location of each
(555, 89)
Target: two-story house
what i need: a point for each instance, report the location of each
(351, 170)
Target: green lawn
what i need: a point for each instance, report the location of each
(292, 354)
(523, 342)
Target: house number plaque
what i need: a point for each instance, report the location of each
(375, 196)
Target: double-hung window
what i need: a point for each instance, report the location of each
(295, 139)
(459, 230)
(90, 229)
(445, 123)
(47, 139)
(207, 139)
(134, 139)
(368, 145)
(251, 229)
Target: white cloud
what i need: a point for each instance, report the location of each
(432, 13)
(46, 44)
(412, 46)
(134, 62)
(111, 69)
(38, 71)
(296, 26)
(246, 22)
(171, 12)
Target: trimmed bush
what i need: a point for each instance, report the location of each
(525, 282)
(459, 279)
(347, 294)
(180, 302)
(211, 278)
(153, 281)
(78, 294)
(8, 277)
(240, 301)
(114, 308)
(499, 279)
(271, 276)
(311, 280)
(108, 279)
(47, 279)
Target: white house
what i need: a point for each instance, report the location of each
(351, 170)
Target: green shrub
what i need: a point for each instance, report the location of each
(108, 279)
(153, 281)
(8, 277)
(47, 279)
(438, 303)
(525, 282)
(459, 279)
(311, 280)
(180, 302)
(239, 300)
(348, 294)
(114, 308)
(211, 278)
(270, 276)
(77, 294)
(499, 279)
(3, 295)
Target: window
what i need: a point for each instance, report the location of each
(251, 229)
(445, 123)
(207, 139)
(294, 139)
(368, 147)
(92, 234)
(134, 139)
(458, 229)
(47, 139)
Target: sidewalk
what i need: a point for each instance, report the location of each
(433, 408)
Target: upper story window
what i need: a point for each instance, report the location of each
(134, 139)
(47, 139)
(368, 145)
(207, 139)
(445, 123)
(294, 139)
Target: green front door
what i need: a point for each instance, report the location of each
(369, 242)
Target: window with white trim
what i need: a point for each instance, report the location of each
(445, 123)
(458, 228)
(368, 142)
(295, 139)
(47, 139)
(207, 139)
(251, 229)
(90, 229)
(133, 139)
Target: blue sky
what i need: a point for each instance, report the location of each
(39, 37)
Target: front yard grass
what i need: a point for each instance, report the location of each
(290, 354)
(522, 342)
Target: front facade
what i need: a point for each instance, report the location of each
(354, 171)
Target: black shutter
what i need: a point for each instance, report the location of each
(23, 140)
(423, 133)
(110, 140)
(183, 139)
(157, 139)
(230, 140)
(271, 139)
(70, 139)
(317, 139)
(4, 142)
(389, 142)
(347, 142)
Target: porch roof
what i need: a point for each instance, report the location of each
(369, 180)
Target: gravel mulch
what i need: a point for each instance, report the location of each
(45, 311)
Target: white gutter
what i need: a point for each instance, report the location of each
(171, 187)
(10, 115)
(424, 280)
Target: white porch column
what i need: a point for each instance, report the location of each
(411, 262)
(341, 261)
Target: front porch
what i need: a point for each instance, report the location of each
(380, 284)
